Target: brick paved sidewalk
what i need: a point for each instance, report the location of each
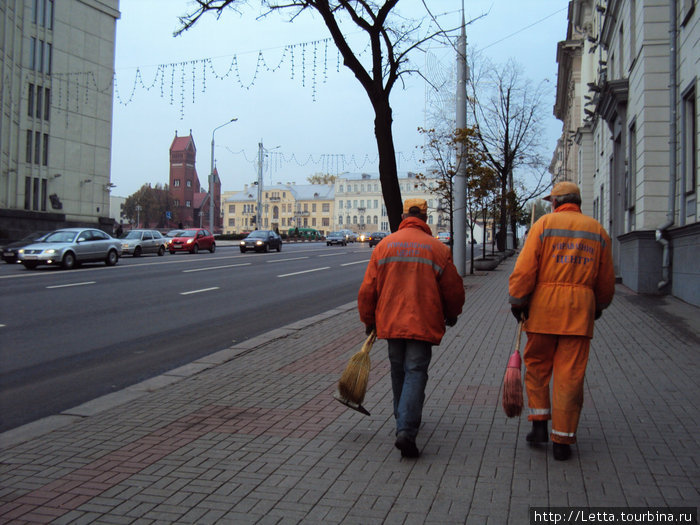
(252, 434)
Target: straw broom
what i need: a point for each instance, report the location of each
(512, 398)
(352, 385)
(512, 382)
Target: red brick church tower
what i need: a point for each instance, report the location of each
(188, 198)
(184, 182)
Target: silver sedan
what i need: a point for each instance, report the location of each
(139, 242)
(71, 246)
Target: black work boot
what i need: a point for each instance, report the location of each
(561, 451)
(407, 445)
(539, 433)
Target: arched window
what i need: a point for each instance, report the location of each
(354, 219)
(376, 220)
(340, 219)
(275, 212)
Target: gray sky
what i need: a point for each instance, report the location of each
(302, 98)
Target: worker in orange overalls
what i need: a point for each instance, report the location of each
(562, 281)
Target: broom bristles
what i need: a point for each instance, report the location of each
(352, 384)
(512, 392)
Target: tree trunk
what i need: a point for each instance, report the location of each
(388, 174)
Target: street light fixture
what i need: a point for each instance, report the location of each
(210, 197)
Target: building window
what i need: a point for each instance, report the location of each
(43, 194)
(28, 156)
(27, 193)
(37, 147)
(176, 183)
(47, 103)
(176, 202)
(326, 207)
(35, 200)
(189, 183)
(188, 204)
(30, 101)
(39, 91)
(232, 222)
(232, 208)
(340, 219)
(689, 138)
(45, 156)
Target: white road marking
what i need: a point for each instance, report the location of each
(200, 291)
(282, 260)
(305, 271)
(72, 284)
(215, 267)
(356, 262)
(332, 254)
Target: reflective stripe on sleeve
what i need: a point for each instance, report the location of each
(540, 411)
(573, 234)
(563, 434)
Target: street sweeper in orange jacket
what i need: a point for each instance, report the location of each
(410, 292)
(562, 281)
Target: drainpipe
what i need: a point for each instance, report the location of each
(672, 143)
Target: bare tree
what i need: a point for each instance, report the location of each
(322, 178)
(508, 112)
(390, 37)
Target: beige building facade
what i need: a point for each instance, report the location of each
(57, 69)
(628, 140)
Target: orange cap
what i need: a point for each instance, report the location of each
(563, 188)
(421, 204)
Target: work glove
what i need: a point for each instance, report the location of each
(451, 321)
(369, 328)
(598, 313)
(520, 312)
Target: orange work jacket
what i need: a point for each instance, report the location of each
(564, 273)
(411, 285)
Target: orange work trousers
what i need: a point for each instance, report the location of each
(564, 357)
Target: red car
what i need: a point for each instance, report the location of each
(192, 241)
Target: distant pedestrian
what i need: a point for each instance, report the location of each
(562, 281)
(119, 231)
(410, 291)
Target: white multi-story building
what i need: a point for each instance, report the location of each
(359, 205)
(629, 141)
(56, 78)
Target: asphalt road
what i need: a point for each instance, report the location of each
(70, 336)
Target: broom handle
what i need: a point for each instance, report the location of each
(520, 332)
(369, 341)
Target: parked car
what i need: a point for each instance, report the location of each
(172, 234)
(192, 240)
(138, 242)
(71, 246)
(262, 241)
(350, 236)
(375, 237)
(9, 251)
(336, 238)
(444, 237)
(363, 236)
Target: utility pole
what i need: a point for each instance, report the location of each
(261, 156)
(459, 247)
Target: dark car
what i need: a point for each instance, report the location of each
(192, 240)
(375, 237)
(336, 238)
(261, 241)
(9, 251)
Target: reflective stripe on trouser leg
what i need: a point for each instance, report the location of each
(570, 360)
(538, 357)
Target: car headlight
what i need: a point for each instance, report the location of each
(258, 243)
(242, 243)
(51, 251)
(189, 241)
(125, 245)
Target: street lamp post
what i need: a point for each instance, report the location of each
(210, 196)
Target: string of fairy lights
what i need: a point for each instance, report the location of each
(182, 82)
